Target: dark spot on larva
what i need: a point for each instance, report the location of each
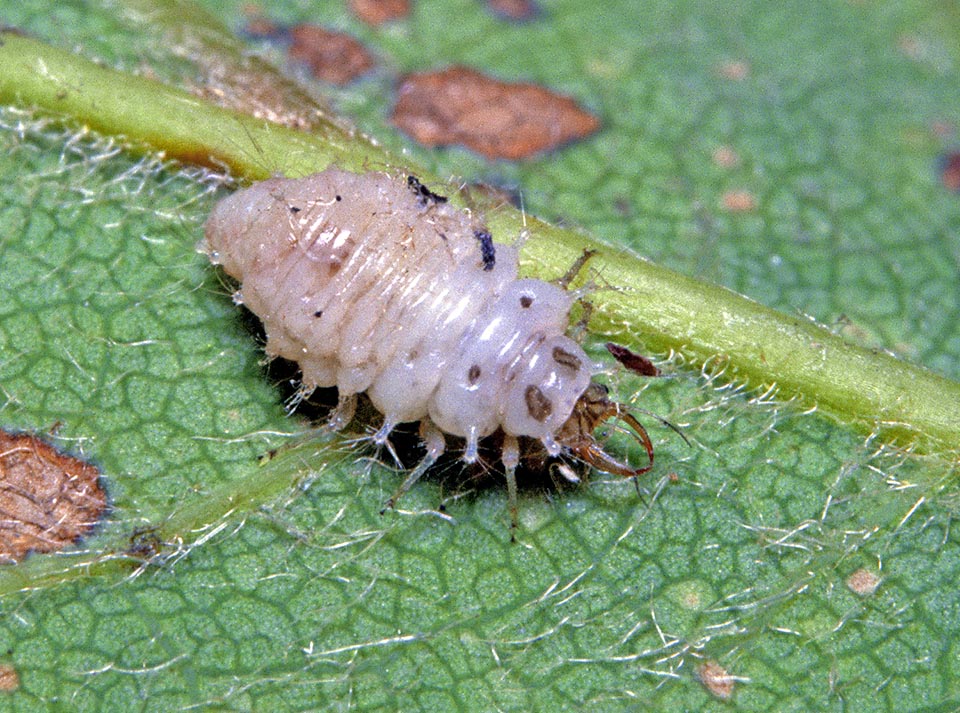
(636, 363)
(538, 405)
(294, 209)
(318, 313)
(332, 57)
(473, 374)
(565, 358)
(488, 253)
(424, 195)
(526, 301)
(497, 119)
(339, 198)
(49, 500)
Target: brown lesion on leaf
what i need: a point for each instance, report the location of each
(48, 500)
(717, 680)
(725, 157)
(496, 119)
(332, 57)
(739, 201)
(863, 582)
(734, 70)
(515, 10)
(378, 12)
(9, 678)
(950, 171)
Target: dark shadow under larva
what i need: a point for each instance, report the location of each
(375, 284)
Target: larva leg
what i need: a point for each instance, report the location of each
(435, 443)
(381, 436)
(575, 269)
(550, 443)
(343, 413)
(578, 332)
(472, 452)
(510, 457)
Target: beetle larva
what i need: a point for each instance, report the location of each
(373, 283)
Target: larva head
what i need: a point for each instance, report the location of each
(576, 435)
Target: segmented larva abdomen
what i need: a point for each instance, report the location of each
(373, 287)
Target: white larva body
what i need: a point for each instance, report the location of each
(372, 287)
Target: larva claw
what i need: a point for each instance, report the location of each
(592, 409)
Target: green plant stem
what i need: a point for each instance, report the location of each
(646, 306)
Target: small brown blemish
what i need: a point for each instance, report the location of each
(331, 56)
(377, 12)
(9, 678)
(145, 544)
(734, 71)
(496, 119)
(515, 10)
(950, 171)
(911, 46)
(943, 129)
(259, 27)
(538, 405)
(526, 301)
(863, 582)
(634, 362)
(739, 201)
(717, 680)
(49, 500)
(726, 157)
(473, 375)
(565, 358)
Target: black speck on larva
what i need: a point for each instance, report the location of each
(373, 283)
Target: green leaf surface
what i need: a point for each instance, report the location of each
(278, 586)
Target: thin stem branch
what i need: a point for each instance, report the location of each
(641, 305)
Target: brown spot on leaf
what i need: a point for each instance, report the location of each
(734, 71)
(950, 171)
(9, 678)
(717, 680)
(377, 12)
(261, 27)
(516, 10)
(943, 129)
(331, 56)
(631, 360)
(494, 118)
(911, 46)
(48, 500)
(863, 582)
(739, 201)
(726, 157)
